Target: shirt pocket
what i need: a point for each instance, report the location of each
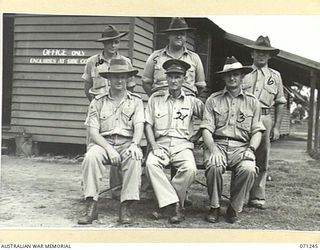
(268, 94)
(127, 117)
(107, 120)
(161, 120)
(159, 74)
(98, 81)
(183, 118)
(244, 120)
(221, 116)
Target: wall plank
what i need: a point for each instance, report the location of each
(75, 20)
(48, 98)
(48, 123)
(41, 100)
(51, 107)
(49, 84)
(51, 92)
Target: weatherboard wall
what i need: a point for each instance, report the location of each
(50, 52)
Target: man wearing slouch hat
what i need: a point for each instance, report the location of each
(231, 130)
(265, 84)
(115, 122)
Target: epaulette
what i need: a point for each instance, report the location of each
(245, 86)
(97, 97)
(274, 71)
(159, 93)
(217, 93)
(250, 94)
(136, 95)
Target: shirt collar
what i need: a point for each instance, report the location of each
(225, 91)
(128, 94)
(166, 50)
(167, 95)
(264, 69)
(116, 55)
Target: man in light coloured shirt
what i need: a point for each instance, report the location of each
(266, 84)
(154, 77)
(232, 130)
(115, 121)
(169, 131)
(94, 84)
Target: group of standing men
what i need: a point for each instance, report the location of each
(236, 125)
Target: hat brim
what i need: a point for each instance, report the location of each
(274, 51)
(177, 29)
(244, 70)
(130, 73)
(97, 91)
(174, 71)
(111, 38)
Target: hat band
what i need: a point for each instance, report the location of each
(232, 66)
(119, 68)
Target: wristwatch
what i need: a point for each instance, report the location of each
(135, 143)
(252, 148)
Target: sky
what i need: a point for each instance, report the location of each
(299, 35)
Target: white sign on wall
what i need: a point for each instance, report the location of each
(60, 56)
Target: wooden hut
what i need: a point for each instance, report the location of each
(44, 58)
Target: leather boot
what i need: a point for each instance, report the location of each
(213, 215)
(91, 212)
(232, 215)
(159, 213)
(179, 216)
(124, 213)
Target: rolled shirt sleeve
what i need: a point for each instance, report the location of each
(149, 114)
(139, 113)
(148, 72)
(208, 120)
(200, 79)
(280, 98)
(87, 71)
(93, 116)
(257, 125)
(198, 108)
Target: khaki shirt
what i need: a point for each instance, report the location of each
(110, 118)
(98, 63)
(266, 85)
(155, 74)
(172, 117)
(237, 118)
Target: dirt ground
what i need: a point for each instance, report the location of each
(44, 192)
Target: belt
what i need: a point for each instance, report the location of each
(226, 138)
(265, 111)
(117, 137)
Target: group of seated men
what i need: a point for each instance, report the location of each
(231, 128)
